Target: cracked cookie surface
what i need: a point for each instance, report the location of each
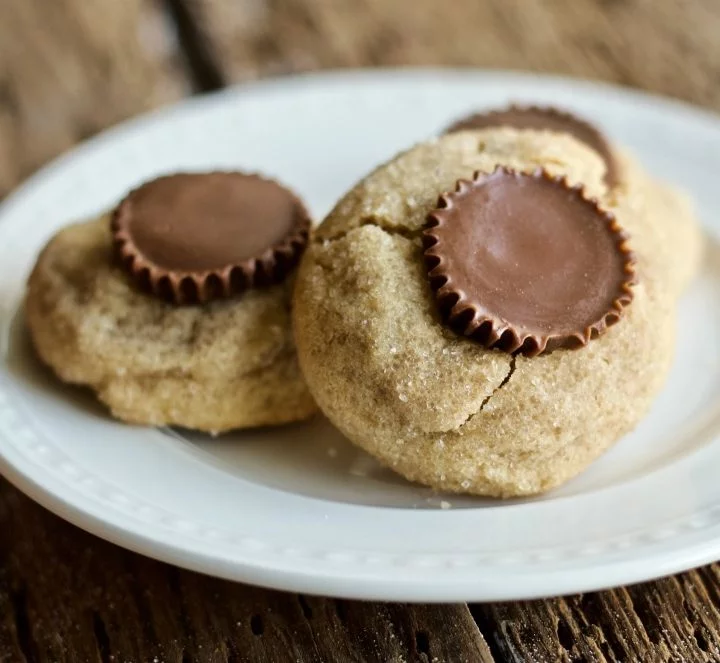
(228, 364)
(438, 408)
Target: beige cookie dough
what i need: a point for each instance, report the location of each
(438, 408)
(674, 245)
(228, 364)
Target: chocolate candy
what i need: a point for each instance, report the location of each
(524, 262)
(191, 238)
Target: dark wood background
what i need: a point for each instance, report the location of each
(69, 68)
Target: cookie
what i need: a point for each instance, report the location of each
(438, 407)
(177, 320)
(675, 247)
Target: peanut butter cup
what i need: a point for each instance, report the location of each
(525, 262)
(191, 238)
(545, 118)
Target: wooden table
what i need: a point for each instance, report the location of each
(69, 68)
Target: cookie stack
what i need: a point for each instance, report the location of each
(486, 313)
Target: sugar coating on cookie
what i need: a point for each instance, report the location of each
(437, 407)
(225, 364)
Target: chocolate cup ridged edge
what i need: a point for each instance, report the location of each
(492, 332)
(200, 287)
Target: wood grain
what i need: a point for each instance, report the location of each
(667, 46)
(69, 68)
(67, 596)
(674, 619)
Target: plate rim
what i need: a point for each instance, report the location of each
(470, 589)
(576, 580)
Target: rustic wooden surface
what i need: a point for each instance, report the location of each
(68, 68)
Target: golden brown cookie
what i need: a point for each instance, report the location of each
(438, 407)
(143, 342)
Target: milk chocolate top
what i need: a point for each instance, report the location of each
(549, 119)
(525, 262)
(195, 237)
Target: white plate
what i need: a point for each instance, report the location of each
(299, 508)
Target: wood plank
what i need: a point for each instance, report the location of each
(674, 619)
(67, 596)
(665, 46)
(69, 68)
